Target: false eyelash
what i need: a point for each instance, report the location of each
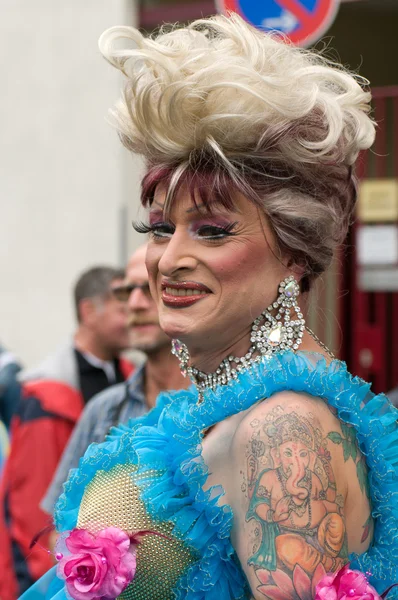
(228, 229)
(141, 227)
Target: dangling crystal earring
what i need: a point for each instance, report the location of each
(275, 332)
(270, 333)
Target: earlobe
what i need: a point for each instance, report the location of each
(296, 269)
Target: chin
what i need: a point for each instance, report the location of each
(191, 325)
(194, 336)
(175, 327)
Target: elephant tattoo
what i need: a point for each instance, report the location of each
(295, 502)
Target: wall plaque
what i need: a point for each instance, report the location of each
(378, 200)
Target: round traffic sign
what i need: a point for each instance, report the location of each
(303, 21)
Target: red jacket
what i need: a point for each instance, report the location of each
(48, 412)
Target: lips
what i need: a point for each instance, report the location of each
(183, 294)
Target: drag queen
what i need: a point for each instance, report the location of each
(275, 475)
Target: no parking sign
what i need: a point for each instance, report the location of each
(303, 21)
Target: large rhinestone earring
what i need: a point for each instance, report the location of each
(281, 330)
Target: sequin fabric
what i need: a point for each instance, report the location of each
(108, 500)
(170, 472)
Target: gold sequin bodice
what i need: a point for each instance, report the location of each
(113, 498)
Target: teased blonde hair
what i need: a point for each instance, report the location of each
(282, 124)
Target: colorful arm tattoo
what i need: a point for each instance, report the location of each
(299, 528)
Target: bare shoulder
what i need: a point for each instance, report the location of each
(295, 463)
(275, 409)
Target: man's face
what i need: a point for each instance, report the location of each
(110, 323)
(145, 332)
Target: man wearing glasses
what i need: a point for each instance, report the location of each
(53, 396)
(135, 397)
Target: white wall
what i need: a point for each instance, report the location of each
(64, 176)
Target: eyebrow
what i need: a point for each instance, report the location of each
(189, 210)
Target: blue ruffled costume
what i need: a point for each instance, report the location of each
(169, 440)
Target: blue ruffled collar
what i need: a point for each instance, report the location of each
(170, 437)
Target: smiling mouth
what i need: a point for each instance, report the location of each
(181, 295)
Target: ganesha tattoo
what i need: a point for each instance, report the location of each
(299, 525)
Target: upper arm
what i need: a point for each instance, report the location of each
(290, 492)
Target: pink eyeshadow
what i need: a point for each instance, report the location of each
(155, 216)
(212, 222)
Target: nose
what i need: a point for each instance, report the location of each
(138, 300)
(178, 254)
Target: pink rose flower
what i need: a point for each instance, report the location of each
(99, 567)
(346, 584)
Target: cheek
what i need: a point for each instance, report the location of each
(114, 317)
(233, 263)
(117, 323)
(240, 265)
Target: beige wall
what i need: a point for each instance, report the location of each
(64, 178)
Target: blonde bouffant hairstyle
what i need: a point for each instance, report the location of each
(219, 106)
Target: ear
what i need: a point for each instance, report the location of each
(296, 269)
(87, 310)
(275, 457)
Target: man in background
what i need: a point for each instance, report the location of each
(134, 398)
(53, 398)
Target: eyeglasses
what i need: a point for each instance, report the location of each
(122, 292)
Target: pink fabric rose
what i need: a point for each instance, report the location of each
(346, 584)
(99, 567)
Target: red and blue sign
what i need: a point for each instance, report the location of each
(303, 21)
